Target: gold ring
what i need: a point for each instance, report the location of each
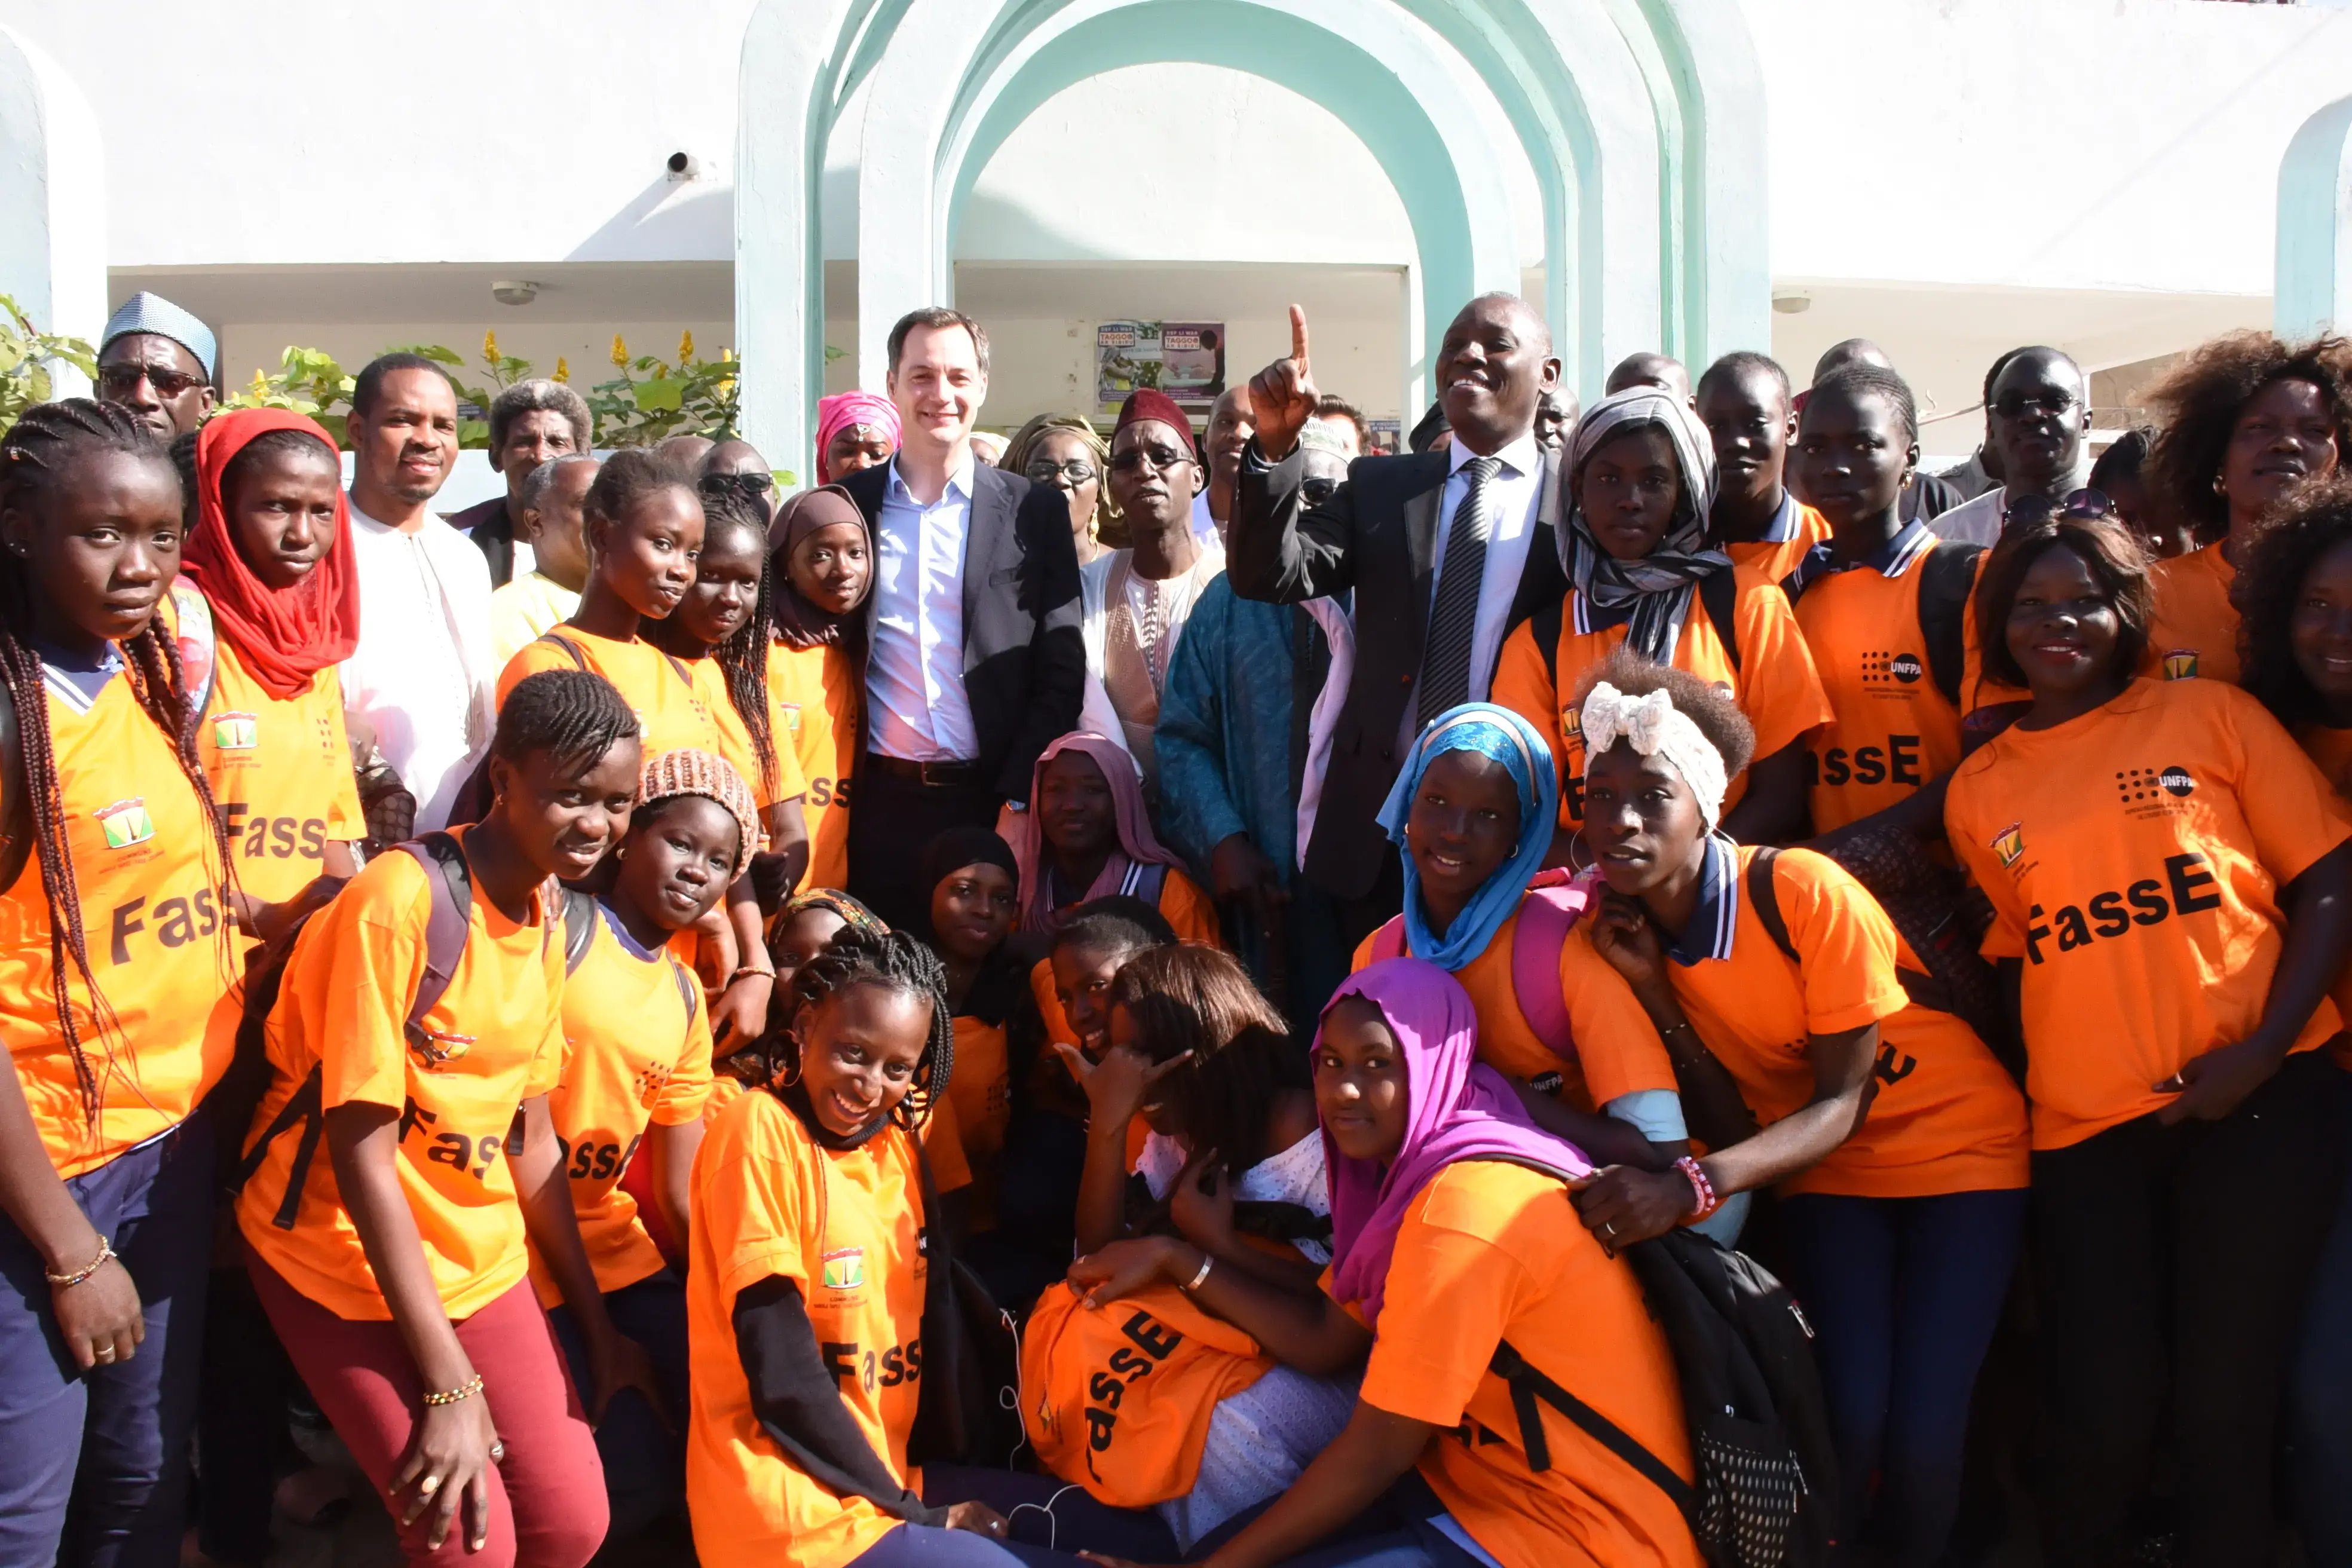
(429, 1485)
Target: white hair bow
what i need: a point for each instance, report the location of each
(1654, 727)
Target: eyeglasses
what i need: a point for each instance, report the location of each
(2082, 506)
(2057, 403)
(1162, 458)
(122, 379)
(1046, 471)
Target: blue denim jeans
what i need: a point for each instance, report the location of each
(94, 1465)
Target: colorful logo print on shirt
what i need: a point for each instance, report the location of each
(844, 1269)
(235, 732)
(127, 823)
(2180, 664)
(791, 712)
(2010, 843)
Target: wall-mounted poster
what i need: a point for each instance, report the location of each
(1383, 437)
(1186, 360)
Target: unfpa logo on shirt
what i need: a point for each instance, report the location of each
(1881, 666)
(235, 732)
(2146, 790)
(126, 823)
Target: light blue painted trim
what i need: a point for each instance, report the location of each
(1354, 85)
(2314, 293)
(1726, 207)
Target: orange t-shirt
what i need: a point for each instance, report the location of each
(981, 1087)
(677, 703)
(784, 782)
(1773, 560)
(1947, 1117)
(2133, 855)
(1891, 729)
(2195, 632)
(1775, 684)
(147, 877)
(498, 1037)
(846, 1227)
(280, 769)
(637, 1051)
(1618, 1051)
(813, 696)
(1489, 1252)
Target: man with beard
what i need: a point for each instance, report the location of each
(1444, 550)
(417, 692)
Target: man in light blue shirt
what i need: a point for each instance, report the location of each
(974, 657)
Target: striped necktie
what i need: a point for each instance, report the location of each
(1454, 619)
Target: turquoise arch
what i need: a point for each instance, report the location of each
(1353, 84)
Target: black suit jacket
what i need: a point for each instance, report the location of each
(1025, 656)
(1376, 534)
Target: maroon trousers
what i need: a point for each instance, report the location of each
(547, 1498)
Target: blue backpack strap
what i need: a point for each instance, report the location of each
(198, 647)
(451, 884)
(16, 795)
(1551, 908)
(579, 909)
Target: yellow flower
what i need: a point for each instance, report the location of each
(260, 384)
(620, 351)
(685, 345)
(726, 355)
(491, 346)
(563, 368)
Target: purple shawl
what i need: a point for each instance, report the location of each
(1458, 1109)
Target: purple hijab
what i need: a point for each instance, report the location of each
(1456, 1108)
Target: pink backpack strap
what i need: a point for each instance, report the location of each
(1389, 941)
(1555, 901)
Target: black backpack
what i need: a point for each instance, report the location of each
(1760, 1437)
(1936, 913)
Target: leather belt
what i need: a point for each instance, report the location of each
(931, 775)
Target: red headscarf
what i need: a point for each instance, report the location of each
(284, 635)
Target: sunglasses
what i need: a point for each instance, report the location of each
(2082, 506)
(754, 484)
(122, 379)
(2018, 404)
(1162, 458)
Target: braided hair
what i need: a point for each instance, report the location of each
(34, 457)
(897, 962)
(743, 658)
(574, 715)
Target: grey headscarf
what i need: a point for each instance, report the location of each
(1657, 588)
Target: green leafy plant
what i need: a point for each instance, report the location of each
(650, 399)
(307, 381)
(25, 355)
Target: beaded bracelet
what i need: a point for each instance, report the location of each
(465, 1390)
(1702, 1190)
(67, 1281)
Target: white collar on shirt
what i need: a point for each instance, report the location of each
(959, 481)
(1522, 457)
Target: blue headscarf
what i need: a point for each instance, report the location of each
(1519, 746)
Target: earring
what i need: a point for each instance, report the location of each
(2221, 485)
(790, 1076)
(1574, 843)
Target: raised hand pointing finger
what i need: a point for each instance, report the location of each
(1298, 338)
(1282, 395)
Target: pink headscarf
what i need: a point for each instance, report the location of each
(843, 409)
(1137, 846)
(1458, 1109)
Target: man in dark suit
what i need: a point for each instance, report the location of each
(1445, 552)
(975, 659)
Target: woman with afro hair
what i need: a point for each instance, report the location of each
(2294, 586)
(2245, 420)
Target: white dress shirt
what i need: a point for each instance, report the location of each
(419, 687)
(914, 673)
(1512, 492)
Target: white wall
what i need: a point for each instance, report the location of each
(2038, 143)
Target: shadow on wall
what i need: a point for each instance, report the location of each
(668, 220)
(994, 228)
